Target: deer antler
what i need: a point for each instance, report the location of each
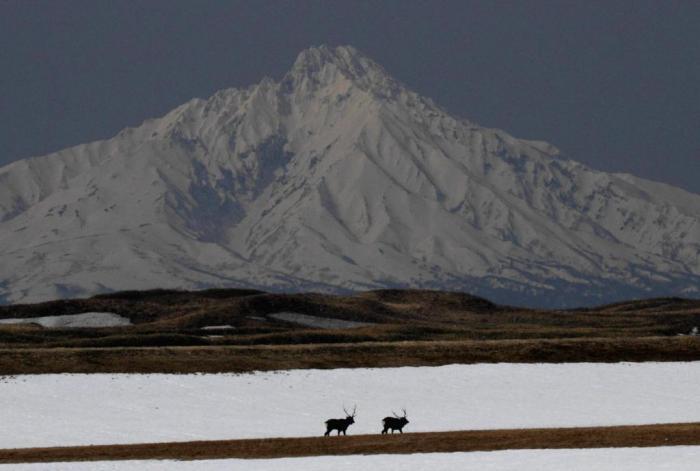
(404, 413)
(354, 409)
(394, 413)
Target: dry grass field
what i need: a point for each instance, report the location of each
(238, 359)
(400, 327)
(477, 440)
(170, 318)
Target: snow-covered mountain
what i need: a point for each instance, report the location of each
(337, 177)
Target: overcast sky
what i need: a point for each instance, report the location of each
(613, 84)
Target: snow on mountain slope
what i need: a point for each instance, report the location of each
(337, 177)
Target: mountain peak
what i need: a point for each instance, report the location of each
(318, 56)
(324, 64)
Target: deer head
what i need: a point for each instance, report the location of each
(350, 417)
(402, 419)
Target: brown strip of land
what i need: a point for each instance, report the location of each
(217, 359)
(445, 442)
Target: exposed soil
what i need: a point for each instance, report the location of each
(445, 442)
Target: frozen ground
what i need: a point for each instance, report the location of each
(51, 410)
(86, 319)
(682, 458)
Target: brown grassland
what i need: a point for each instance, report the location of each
(240, 359)
(404, 328)
(433, 442)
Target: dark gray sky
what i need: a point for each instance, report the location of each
(614, 84)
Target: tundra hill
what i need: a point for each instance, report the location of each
(250, 317)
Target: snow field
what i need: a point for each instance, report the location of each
(62, 410)
(681, 458)
(85, 319)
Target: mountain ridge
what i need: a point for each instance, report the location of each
(338, 177)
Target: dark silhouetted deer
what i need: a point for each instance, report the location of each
(395, 422)
(341, 425)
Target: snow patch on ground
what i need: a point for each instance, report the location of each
(86, 319)
(218, 327)
(317, 322)
(679, 458)
(55, 410)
